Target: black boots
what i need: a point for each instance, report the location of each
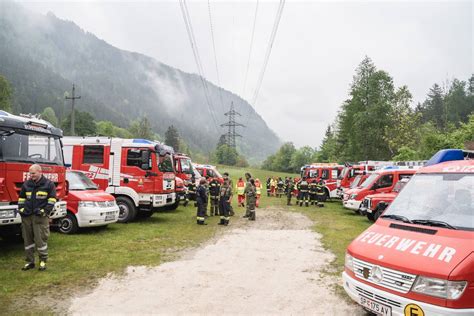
(28, 266)
(224, 222)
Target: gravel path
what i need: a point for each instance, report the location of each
(271, 266)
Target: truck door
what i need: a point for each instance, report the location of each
(137, 171)
(384, 183)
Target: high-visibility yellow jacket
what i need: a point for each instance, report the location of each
(258, 187)
(240, 187)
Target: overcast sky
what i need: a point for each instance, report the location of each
(317, 48)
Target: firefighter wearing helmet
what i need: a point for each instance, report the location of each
(303, 188)
(201, 202)
(321, 193)
(214, 190)
(312, 192)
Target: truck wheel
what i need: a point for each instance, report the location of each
(68, 224)
(144, 214)
(377, 213)
(127, 210)
(371, 216)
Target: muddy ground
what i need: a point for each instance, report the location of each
(272, 266)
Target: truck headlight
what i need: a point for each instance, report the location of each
(88, 204)
(353, 196)
(349, 262)
(7, 214)
(451, 290)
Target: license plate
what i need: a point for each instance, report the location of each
(109, 217)
(375, 307)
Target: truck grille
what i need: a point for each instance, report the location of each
(105, 203)
(391, 279)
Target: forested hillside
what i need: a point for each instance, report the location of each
(43, 55)
(378, 121)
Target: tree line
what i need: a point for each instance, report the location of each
(379, 122)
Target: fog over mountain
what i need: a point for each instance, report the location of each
(42, 55)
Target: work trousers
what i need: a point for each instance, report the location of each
(214, 205)
(35, 231)
(201, 212)
(304, 198)
(241, 199)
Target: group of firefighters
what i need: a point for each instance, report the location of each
(220, 196)
(307, 192)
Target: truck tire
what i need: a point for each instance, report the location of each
(377, 213)
(144, 214)
(68, 224)
(127, 210)
(371, 216)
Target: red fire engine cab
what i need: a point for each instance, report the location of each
(351, 173)
(329, 172)
(381, 181)
(418, 257)
(373, 205)
(139, 173)
(209, 172)
(26, 140)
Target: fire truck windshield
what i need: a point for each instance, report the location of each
(30, 148)
(186, 166)
(445, 200)
(165, 163)
(344, 173)
(368, 182)
(79, 181)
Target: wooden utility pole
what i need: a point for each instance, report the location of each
(73, 98)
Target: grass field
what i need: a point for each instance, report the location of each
(77, 261)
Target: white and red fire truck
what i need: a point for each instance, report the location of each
(209, 172)
(418, 257)
(87, 205)
(139, 173)
(380, 181)
(329, 172)
(26, 140)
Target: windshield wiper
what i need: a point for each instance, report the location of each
(431, 222)
(397, 218)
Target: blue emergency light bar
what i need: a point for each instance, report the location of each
(142, 141)
(449, 155)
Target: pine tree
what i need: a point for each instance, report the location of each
(172, 137)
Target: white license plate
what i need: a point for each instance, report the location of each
(110, 217)
(374, 306)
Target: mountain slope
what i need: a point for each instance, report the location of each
(43, 55)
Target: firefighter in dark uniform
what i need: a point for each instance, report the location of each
(289, 190)
(280, 187)
(321, 193)
(303, 189)
(248, 176)
(224, 202)
(231, 184)
(251, 199)
(35, 204)
(269, 180)
(312, 192)
(191, 194)
(214, 190)
(201, 202)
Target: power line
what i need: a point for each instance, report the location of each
(197, 59)
(215, 54)
(250, 51)
(267, 57)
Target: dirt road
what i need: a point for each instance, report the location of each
(272, 266)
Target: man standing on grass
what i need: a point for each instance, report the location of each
(35, 204)
(248, 188)
(201, 201)
(231, 184)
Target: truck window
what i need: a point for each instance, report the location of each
(134, 159)
(325, 174)
(165, 163)
(385, 181)
(93, 154)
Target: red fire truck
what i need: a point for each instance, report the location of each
(209, 172)
(349, 174)
(381, 181)
(26, 140)
(418, 257)
(373, 205)
(183, 167)
(87, 205)
(329, 172)
(139, 173)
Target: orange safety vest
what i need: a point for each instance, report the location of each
(240, 187)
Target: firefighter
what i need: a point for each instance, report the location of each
(251, 198)
(258, 188)
(273, 184)
(268, 185)
(214, 191)
(35, 204)
(224, 202)
(320, 193)
(312, 192)
(231, 185)
(280, 187)
(201, 202)
(289, 191)
(191, 194)
(247, 189)
(240, 192)
(303, 189)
